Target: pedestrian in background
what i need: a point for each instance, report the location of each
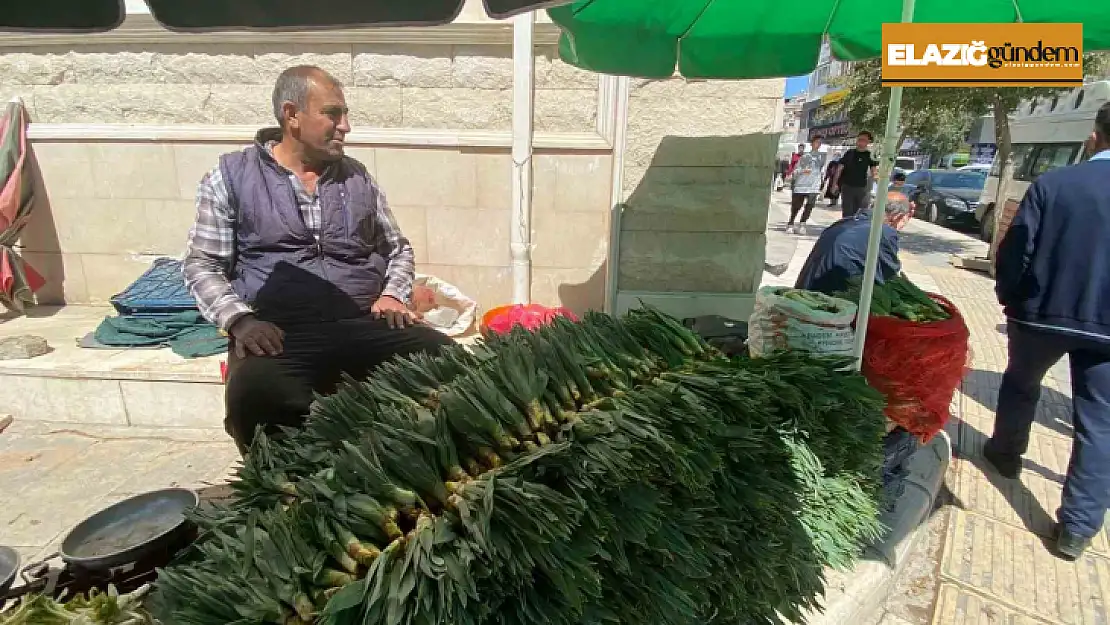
(805, 184)
(780, 173)
(831, 193)
(1053, 279)
(853, 177)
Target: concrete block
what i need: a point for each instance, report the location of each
(482, 67)
(457, 108)
(35, 68)
(926, 469)
(851, 596)
(402, 66)
(566, 110)
(60, 399)
(120, 104)
(721, 262)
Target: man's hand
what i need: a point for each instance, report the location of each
(396, 314)
(259, 338)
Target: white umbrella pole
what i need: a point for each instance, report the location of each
(890, 151)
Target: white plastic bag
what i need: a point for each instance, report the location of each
(792, 319)
(443, 306)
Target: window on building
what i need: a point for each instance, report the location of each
(822, 77)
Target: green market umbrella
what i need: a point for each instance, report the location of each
(766, 39)
(763, 39)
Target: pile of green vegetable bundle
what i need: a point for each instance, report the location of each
(96, 608)
(607, 471)
(898, 297)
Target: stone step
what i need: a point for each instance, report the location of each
(131, 387)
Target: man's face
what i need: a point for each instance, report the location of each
(322, 126)
(862, 142)
(816, 145)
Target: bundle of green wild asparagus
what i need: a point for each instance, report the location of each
(606, 471)
(898, 297)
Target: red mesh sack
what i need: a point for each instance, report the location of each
(501, 320)
(918, 366)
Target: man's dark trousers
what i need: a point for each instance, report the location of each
(853, 199)
(275, 391)
(1032, 353)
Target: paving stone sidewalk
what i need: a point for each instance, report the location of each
(54, 475)
(985, 559)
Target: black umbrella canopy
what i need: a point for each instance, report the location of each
(217, 15)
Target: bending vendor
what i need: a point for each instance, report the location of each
(296, 254)
(839, 254)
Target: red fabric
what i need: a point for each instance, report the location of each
(501, 320)
(35, 281)
(793, 163)
(223, 371)
(918, 366)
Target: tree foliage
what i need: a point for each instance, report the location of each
(940, 117)
(937, 127)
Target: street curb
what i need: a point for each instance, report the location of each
(852, 597)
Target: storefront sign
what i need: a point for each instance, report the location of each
(825, 115)
(827, 132)
(982, 55)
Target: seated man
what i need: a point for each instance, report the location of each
(841, 250)
(296, 254)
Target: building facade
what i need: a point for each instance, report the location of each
(125, 123)
(823, 115)
(792, 119)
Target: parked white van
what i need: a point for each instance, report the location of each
(1046, 133)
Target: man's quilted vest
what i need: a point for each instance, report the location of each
(286, 274)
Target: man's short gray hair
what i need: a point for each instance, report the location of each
(292, 86)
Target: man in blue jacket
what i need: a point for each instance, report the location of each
(841, 251)
(1053, 278)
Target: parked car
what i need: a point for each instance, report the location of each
(905, 164)
(897, 170)
(984, 169)
(945, 196)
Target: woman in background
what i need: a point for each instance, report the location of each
(832, 192)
